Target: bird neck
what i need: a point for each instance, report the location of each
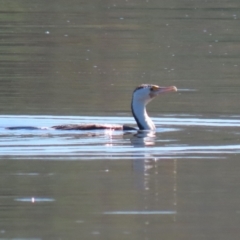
(139, 112)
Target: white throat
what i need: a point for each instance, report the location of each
(139, 112)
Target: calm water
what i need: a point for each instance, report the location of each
(79, 61)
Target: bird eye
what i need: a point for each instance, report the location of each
(154, 88)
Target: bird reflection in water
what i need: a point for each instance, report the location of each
(144, 138)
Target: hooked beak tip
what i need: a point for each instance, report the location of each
(168, 89)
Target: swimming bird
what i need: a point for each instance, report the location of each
(141, 96)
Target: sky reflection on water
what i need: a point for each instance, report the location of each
(167, 142)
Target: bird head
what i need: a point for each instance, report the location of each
(146, 92)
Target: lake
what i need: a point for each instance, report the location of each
(79, 62)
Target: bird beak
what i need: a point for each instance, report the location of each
(163, 90)
(167, 89)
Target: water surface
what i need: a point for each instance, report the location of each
(79, 61)
(176, 136)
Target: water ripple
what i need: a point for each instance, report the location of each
(194, 137)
